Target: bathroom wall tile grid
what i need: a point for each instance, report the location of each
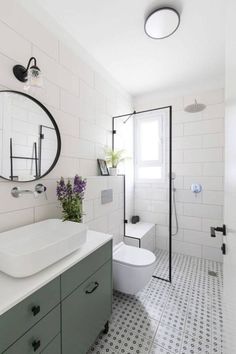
(81, 96)
(83, 99)
(182, 318)
(197, 157)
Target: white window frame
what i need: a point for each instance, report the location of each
(161, 117)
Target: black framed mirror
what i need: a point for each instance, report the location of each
(30, 142)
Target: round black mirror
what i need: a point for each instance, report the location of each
(30, 142)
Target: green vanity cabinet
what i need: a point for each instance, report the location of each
(86, 311)
(66, 315)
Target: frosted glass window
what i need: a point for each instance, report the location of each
(150, 172)
(149, 147)
(149, 140)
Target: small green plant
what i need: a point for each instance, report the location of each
(113, 157)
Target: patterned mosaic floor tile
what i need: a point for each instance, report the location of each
(175, 317)
(169, 338)
(157, 349)
(195, 345)
(135, 344)
(109, 343)
(184, 317)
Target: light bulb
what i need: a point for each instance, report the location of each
(34, 78)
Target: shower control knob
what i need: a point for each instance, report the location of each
(196, 188)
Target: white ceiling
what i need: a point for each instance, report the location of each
(112, 31)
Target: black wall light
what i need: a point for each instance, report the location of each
(31, 74)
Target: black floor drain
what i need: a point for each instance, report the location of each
(212, 273)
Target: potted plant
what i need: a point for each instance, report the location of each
(71, 197)
(113, 158)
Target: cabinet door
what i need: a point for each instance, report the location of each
(75, 276)
(54, 347)
(86, 310)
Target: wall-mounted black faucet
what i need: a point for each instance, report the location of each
(219, 229)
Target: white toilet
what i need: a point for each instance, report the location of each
(132, 268)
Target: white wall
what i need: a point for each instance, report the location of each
(81, 99)
(198, 143)
(108, 218)
(229, 294)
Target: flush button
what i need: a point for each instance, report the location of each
(106, 196)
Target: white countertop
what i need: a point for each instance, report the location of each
(138, 230)
(14, 290)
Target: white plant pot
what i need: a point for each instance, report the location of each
(113, 171)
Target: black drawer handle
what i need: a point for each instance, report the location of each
(35, 310)
(36, 344)
(93, 289)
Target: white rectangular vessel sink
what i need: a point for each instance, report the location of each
(29, 249)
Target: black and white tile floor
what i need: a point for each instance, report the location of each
(184, 317)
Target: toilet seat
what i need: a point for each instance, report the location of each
(133, 256)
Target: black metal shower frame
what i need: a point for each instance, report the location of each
(12, 157)
(170, 179)
(41, 137)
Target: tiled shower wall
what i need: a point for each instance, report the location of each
(198, 157)
(82, 99)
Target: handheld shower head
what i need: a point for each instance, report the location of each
(195, 107)
(173, 175)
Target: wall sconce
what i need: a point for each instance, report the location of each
(31, 74)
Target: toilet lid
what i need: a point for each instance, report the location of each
(134, 256)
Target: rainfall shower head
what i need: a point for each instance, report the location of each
(195, 107)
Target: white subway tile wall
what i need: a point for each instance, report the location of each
(198, 157)
(82, 101)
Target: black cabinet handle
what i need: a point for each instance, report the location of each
(223, 248)
(36, 344)
(93, 289)
(35, 310)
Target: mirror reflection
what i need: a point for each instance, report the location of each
(29, 138)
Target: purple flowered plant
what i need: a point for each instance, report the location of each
(79, 186)
(61, 189)
(71, 197)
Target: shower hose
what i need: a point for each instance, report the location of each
(175, 212)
